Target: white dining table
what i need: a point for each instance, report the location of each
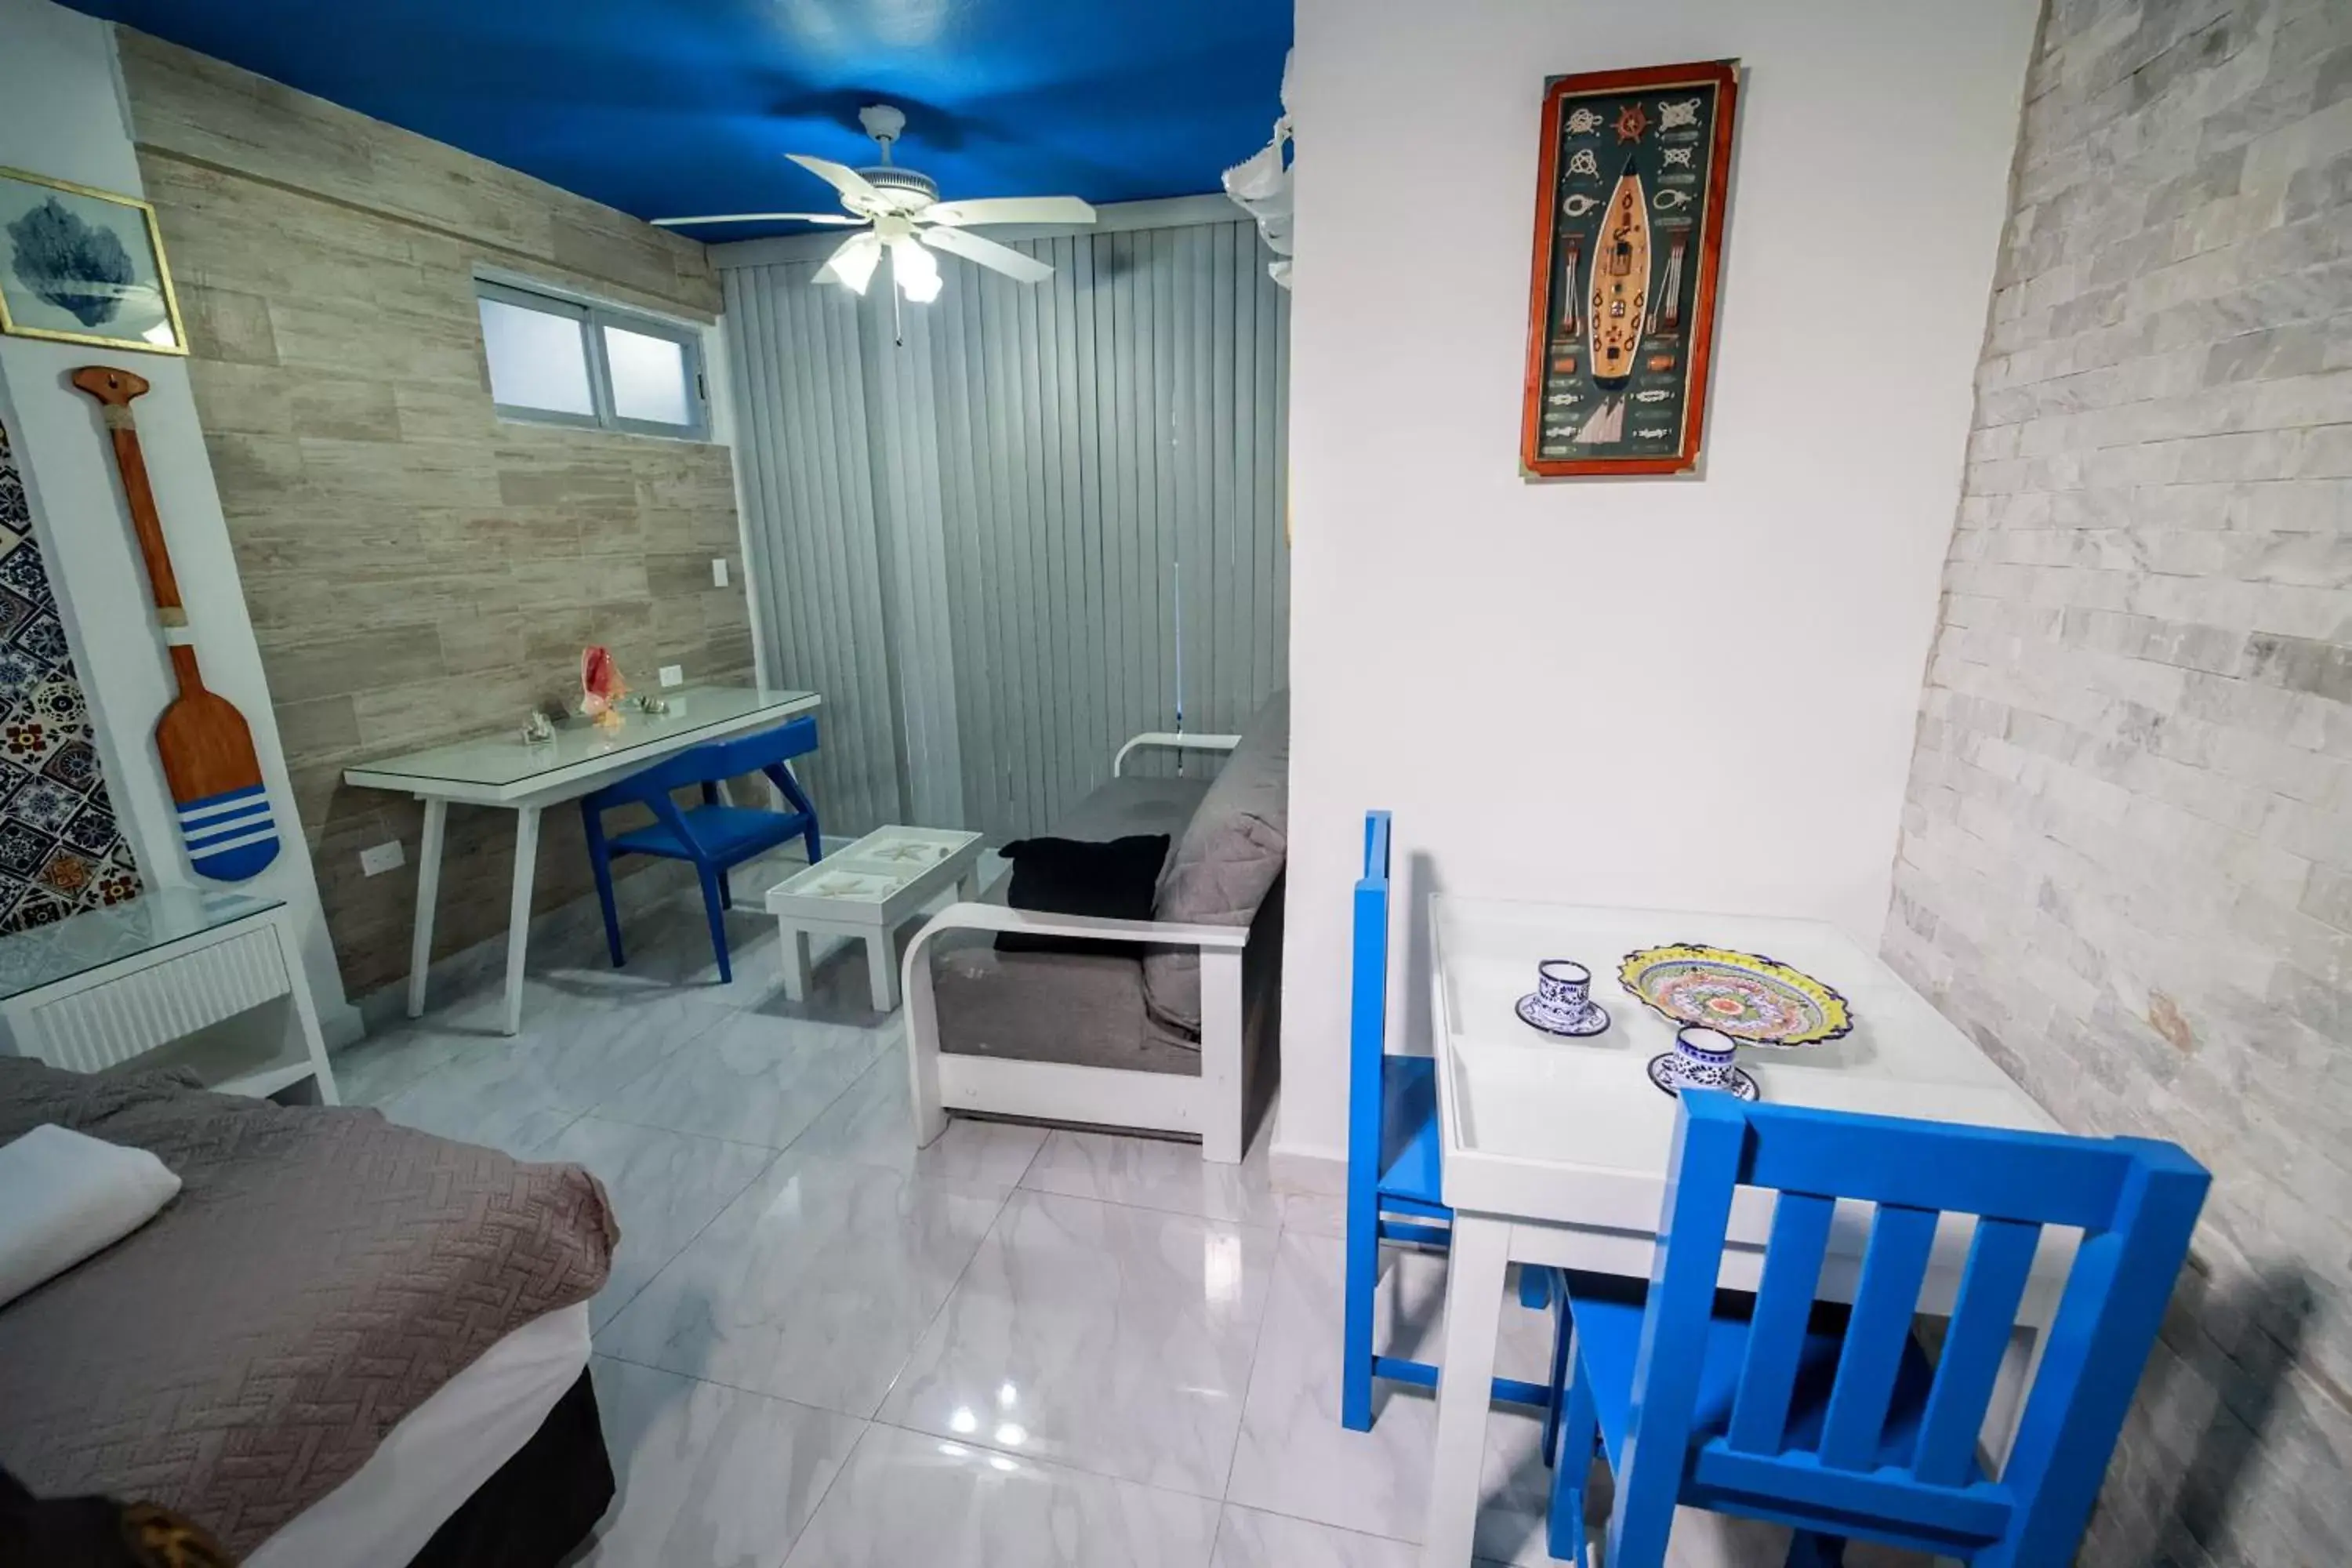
(527, 777)
(1555, 1151)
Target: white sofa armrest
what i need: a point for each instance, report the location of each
(1170, 740)
(1039, 922)
(1213, 1102)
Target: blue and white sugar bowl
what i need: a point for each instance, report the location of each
(1561, 1003)
(1702, 1060)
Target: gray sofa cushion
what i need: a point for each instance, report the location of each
(1081, 1008)
(1229, 856)
(1125, 807)
(1073, 1007)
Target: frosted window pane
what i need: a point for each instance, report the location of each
(537, 359)
(648, 377)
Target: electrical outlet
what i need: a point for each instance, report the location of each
(718, 570)
(378, 858)
(673, 674)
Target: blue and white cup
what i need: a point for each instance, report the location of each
(1702, 1056)
(1563, 987)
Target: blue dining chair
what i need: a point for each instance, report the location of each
(1393, 1190)
(711, 836)
(1777, 1410)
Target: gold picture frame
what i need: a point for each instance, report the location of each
(95, 270)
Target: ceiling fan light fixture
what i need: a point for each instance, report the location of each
(903, 207)
(915, 269)
(852, 262)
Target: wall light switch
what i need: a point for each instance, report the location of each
(378, 858)
(673, 674)
(718, 570)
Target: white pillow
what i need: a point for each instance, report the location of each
(67, 1196)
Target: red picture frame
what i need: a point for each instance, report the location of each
(1597, 241)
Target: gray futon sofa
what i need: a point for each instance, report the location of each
(1169, 1041)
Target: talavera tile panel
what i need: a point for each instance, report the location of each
(417, 569)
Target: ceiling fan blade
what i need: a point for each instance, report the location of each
(758, 217)
(853, 262)
(840, 176)
(988, 253)
(1011, 209)
(915, 269)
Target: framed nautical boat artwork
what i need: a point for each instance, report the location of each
(1634, 168)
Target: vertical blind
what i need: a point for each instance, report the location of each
(1049, 519)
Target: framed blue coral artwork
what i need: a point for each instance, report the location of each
(61, 851)
(83, 266)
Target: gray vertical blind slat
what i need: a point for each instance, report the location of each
(975, 543)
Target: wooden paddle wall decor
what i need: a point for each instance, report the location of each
(205, 746)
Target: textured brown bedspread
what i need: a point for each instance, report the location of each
(320, 1273)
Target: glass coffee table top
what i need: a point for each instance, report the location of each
(884, 863)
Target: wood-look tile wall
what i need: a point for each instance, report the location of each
(418, 570)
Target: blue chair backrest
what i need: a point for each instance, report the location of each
(1368, 998)
(2136, 1201)
(711, 762)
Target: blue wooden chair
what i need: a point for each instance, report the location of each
(711, 836)
(1394, 1193)
(1776, 1412)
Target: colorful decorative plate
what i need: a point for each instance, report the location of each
(1755, 1000)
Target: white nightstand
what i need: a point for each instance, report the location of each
(178, 977)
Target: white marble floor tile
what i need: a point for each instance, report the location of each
(1315, 1213)
(813, 1284)
(907, 1499)
(873, 1123)
(570, 1055)
(1295, 1458)
(1115, 1339)
(749, 1078)
(1157, 1174)
(485, 1094)
(1247, 1538)
(669, 944)
(372, 1071)
(665, 1187)
(712, 1476)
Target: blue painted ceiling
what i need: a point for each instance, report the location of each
(668, 107)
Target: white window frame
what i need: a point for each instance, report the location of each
(592, 318)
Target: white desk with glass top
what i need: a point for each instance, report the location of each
(527, 778)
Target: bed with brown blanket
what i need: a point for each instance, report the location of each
(322, 1275)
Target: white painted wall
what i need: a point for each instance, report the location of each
(1693, 693)
(62, 114)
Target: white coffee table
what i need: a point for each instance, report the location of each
(868, 890)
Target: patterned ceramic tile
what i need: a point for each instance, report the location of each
(61, 851)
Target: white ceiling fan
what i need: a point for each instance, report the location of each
(906, 214)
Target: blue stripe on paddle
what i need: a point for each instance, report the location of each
(235, 865)
(220, 829)
(229, 836)
(204, 805)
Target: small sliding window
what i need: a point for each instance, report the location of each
(565, 362)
